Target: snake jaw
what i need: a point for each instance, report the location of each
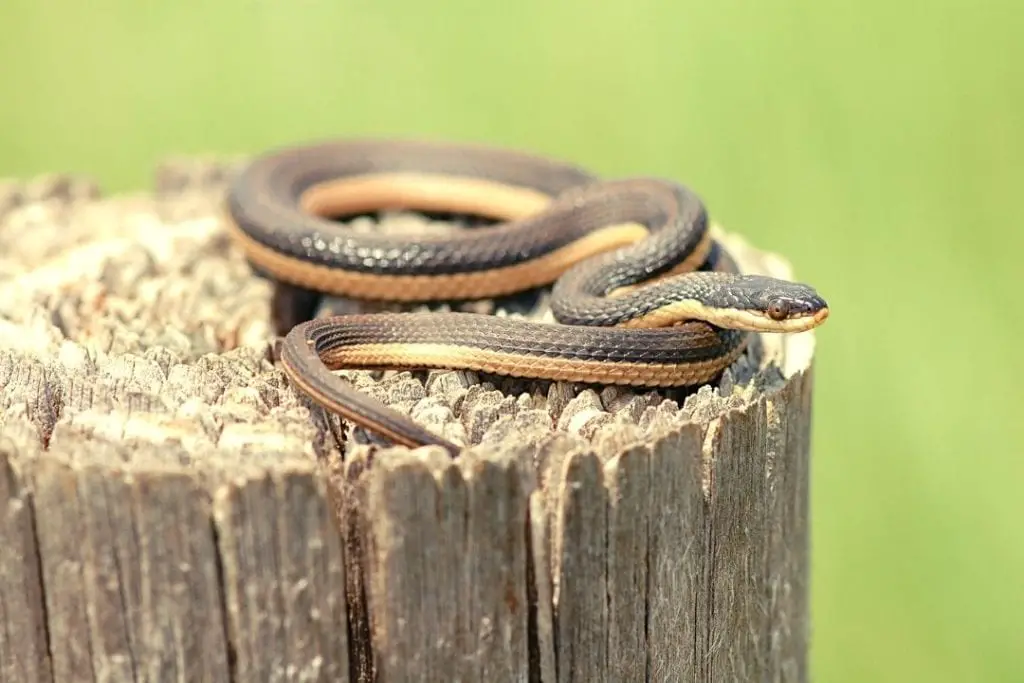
(800, 317)
(763, 320)
(792, 324)
(759, 321)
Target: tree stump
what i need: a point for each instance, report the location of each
(173, 511)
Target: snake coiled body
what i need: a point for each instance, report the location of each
(642, 294)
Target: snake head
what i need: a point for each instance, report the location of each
(768, 304)
(755, 303)
(752, 303)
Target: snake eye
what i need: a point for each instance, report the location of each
(778, 309)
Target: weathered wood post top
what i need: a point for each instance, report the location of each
(172, 510)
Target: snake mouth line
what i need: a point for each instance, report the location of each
(820, 317)
(740, 319)
(759, 321)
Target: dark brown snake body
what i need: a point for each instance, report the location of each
(643, 295)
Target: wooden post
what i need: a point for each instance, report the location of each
(171, 511)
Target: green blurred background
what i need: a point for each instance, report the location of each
(876, 144)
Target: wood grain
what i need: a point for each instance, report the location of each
(173, 511)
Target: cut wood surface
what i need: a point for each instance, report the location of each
(171, 510)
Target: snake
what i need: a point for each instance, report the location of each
(641, 293)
